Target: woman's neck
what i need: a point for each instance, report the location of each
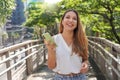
(67, 35)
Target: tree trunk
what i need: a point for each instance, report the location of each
(114, 31)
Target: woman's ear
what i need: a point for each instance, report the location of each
(62, 23)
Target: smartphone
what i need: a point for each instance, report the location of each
(48, 37)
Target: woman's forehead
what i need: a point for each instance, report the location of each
(71, 13)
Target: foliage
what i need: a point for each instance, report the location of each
(41, 16)
(101, 16)
(3, 34)
(6, 7)
(98, 16)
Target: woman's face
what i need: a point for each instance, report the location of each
(69, 21)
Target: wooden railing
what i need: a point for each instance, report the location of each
(106, 54)
(20, 60)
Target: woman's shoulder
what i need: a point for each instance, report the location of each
(56, 37)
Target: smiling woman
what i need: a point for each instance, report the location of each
(53, 1)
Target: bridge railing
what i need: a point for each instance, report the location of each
(107, 56)
(20, 60)
(112, 47)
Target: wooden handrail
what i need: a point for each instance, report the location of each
(17, 54)
(16, 46)
(106, 60)
(29, 49)
(106, 42)
(106, 52)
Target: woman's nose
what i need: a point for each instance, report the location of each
(70, 19)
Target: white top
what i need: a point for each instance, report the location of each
(66, 63)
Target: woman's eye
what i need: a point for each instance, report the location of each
(75, 19)
(67, 17)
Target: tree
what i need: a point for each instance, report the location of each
(103, 15)
(6, 8)
(42, 16)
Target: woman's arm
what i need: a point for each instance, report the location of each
(51, 55)
(51, 58)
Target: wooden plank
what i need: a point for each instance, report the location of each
(9, 74)
(29, 62)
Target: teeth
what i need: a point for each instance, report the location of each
(69, 24)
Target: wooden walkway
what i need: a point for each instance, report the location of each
(43, 73)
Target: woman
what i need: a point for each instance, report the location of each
(69, 59)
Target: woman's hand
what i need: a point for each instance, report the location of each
(50, 46)
(84, 67)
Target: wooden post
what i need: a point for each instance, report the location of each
(37, 59)
(29, 62)
(44, 53)
(37, 56)
(9, 75)
(97, 34)
(114, 52)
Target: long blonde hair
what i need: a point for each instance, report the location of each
(80, 42)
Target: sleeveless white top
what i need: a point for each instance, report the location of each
(66, 61)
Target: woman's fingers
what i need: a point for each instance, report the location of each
(46, 42)
(49, 45)
(84, 68)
